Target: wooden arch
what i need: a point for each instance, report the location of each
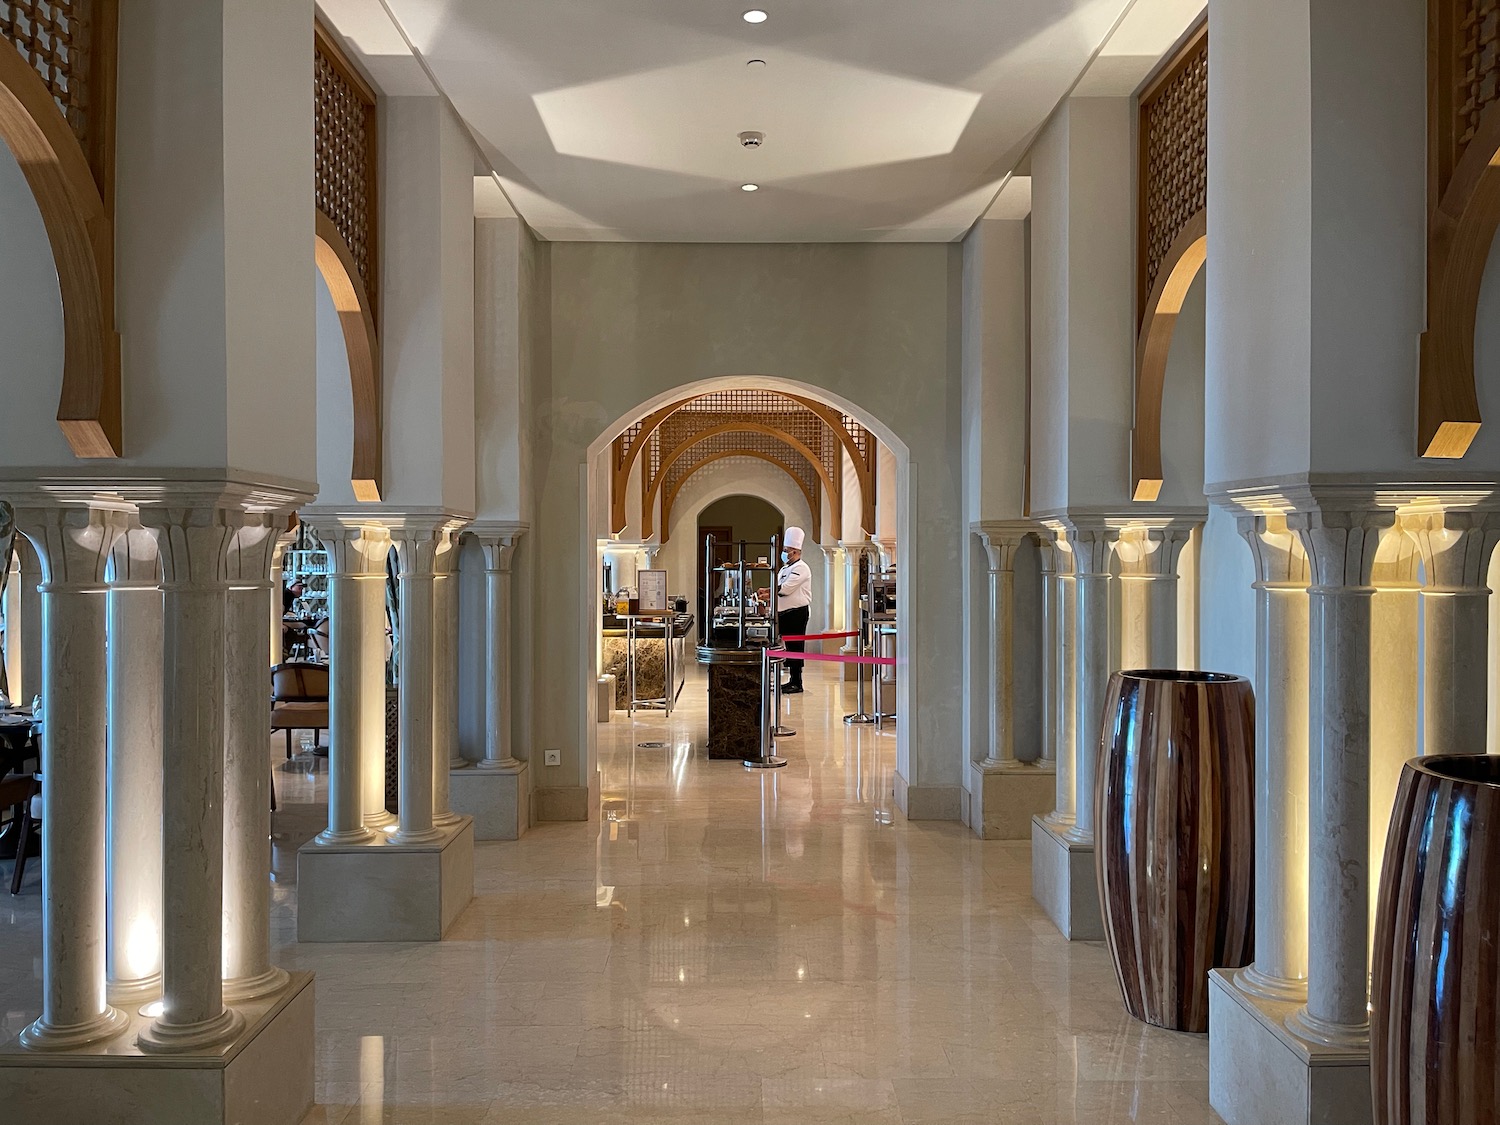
(1178, 270)
(336, 264)
(82, 238)
(625, 455)
(1460, 234)
(648, 499)
(670, 497)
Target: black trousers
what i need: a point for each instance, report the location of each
(793, 621)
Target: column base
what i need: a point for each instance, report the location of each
(1004, 798)
(44, 1037)
(385, 890)
(562, 803)
(239, 989)
(128, 994)
(1064, 884)
(265, 1074)
(496, 797)
(1258, 1071)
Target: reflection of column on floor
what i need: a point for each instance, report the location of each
(1341, 545)
(357, 552)
(1279, 971)
(248, 972)
(1093, 543)
(1063, 673)
(194, 542)
(135, 731)
(72, 546)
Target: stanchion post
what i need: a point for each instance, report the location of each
(768, 758)
(860, 717)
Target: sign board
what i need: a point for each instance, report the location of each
(653, 587)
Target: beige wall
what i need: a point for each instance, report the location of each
(874, 325)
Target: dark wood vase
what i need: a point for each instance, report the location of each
(1175, 837)
(1435, 987)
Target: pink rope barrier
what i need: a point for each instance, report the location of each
(818, 636)
(834, 658)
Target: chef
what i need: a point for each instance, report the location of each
(793, 597)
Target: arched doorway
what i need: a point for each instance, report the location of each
(599, 534)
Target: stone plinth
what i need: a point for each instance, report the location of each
(1003, 801)
(1063, 883)
(1259, 1072)
(496, 799)
(385, 891)
(263, 1075)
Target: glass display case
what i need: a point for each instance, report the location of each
(741, 593)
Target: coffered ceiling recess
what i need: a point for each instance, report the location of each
(619, 119)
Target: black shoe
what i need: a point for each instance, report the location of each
(792, 689)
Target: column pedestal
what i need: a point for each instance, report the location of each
(1063, 882)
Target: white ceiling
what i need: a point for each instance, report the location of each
(885, 120)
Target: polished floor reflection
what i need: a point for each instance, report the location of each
(723, 946)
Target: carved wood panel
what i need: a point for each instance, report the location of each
(1173, 159)
(345, 155)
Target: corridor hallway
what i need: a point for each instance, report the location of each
(726, 946)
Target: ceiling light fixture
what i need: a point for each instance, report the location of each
(756, 62)
(755, 15)
(749, 187)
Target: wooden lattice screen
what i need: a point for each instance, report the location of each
(1173, 163)
(71, 44)
(345, 160)
(740, 443)
(1464, 46)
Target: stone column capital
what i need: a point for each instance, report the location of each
(254, 549)
(194, 542)
(134, 561)
(1280, 561)
(1342, 542)
(498, 542)
(1455, 547)
(73, 541)
(424, 544)
(1059, 557)
(355, 550)
(1092, 543)
(1001, 538)
(1153, 551)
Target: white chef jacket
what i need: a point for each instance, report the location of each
(794, 586)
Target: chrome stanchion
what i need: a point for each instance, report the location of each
(768, 759)
(777, 729)
(860, 717)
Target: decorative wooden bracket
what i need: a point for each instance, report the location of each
(1178, 270)
(336, 264)
(82, 238)
(1460, 234)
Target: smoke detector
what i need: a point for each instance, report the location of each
(751, 139)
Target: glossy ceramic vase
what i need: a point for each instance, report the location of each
(1435, 985)
(1175, 837)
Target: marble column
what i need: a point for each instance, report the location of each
(1341, 545)
(418, 547)
(499, 550)
(1062, 626)
(1456, 547)
(273, 604)
(356, 672)
(1092, 545)
(133, 857)
(1279, 971)
(72, 546)
(832, 567)
(194, 542)
(248, 973)
(1000, 545)
(853, 552)
(1048, 555)
(445, 755)
(1148, 580)
(31, 619)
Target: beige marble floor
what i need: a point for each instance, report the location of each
(723, 946)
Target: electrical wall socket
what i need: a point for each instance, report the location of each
(552, 757)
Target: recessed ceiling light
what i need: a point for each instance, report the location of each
(755, 15)
(749, 187)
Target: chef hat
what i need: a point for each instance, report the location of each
(794, 539)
